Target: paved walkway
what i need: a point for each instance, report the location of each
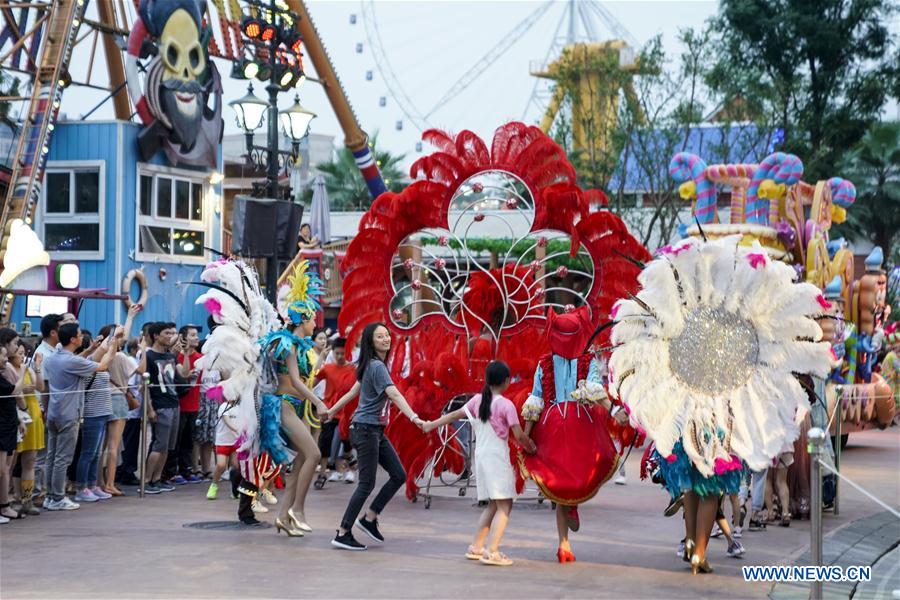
(626, 549)
(868, 541)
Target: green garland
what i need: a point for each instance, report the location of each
(504, 246)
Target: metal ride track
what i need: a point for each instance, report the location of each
(65, 18)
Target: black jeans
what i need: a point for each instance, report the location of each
(372, 449)
(131, 441)
(185, 449)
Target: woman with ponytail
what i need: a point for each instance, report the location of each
(491, 417)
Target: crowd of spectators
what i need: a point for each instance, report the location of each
(71, 414)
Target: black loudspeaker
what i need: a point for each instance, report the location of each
(253, 222)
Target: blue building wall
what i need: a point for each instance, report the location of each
(115, 144)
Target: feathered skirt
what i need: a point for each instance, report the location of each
(575, 454)
(681, 476)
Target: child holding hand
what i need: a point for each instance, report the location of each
(491, 417)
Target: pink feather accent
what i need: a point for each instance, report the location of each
(213, 306)
(823, 302)
(756, 259)
(216, 393)
(676, 249)
(671, 458)
(722, 466)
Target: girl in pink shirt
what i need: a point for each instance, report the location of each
(491, 417)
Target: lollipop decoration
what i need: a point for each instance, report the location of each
(780, 168)
(690, 171)
(843, 195)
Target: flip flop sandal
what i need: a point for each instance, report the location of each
(497, 559)
(473, 553)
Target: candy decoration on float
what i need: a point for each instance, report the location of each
(687, 168)
(843, 195)
(780, 167)
(738, 177)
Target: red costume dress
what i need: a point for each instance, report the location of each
(575, 453)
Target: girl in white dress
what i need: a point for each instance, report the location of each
(491, 417)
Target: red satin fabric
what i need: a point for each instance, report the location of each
(575, 454)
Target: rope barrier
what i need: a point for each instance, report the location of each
(860, 489)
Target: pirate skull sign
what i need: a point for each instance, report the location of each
(180, 82)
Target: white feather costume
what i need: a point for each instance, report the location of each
(709, 345)
(243, 315)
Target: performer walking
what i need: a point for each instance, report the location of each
(491, 417)
(375, 388)
(705, 357)
(294, 402)
(566, 416)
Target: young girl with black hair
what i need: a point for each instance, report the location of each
(491, 417)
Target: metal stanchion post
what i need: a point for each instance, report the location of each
(142, 452)
(816, 440)
(838, 418)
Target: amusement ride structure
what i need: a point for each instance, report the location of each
(37, 41)
(580, 70)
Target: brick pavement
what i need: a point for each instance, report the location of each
(131, 548)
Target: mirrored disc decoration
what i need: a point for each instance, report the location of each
(488, 273)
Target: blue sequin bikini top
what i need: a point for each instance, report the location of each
(279, 345)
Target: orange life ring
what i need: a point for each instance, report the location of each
(126, 287)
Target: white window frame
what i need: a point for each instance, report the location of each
(203, 225)
(45, 218)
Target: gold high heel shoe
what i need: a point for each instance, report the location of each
(280, 526)
(301, 525)
(698, 566)
(688, 550)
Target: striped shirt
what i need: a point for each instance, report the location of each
(97, 397)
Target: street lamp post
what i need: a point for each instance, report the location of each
(283, 69)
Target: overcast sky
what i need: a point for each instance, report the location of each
(429, 46)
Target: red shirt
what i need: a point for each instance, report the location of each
(190, 402)
(338, 381)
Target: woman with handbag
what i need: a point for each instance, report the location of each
(123, 401)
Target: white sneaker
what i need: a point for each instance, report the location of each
(350, 477)
(735, 549)
(4, 520)
(258, 507)
(336, 476)
(738, 532)
(620, 480)
(86, 495)
(268, 497)
(101, 495)
(47, 502)
(716, 531)
(65, 504)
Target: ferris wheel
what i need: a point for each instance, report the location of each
(419, 80)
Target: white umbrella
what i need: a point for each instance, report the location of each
(320, 211)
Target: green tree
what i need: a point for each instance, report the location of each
(671, 99)
(821, 68)
(346, 187)
(874, 167)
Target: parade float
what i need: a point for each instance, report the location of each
(769, 204)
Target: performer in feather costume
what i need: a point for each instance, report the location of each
(242, 316)
(705, 356)
(566, 416)
(411, 266)
(293, 410)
